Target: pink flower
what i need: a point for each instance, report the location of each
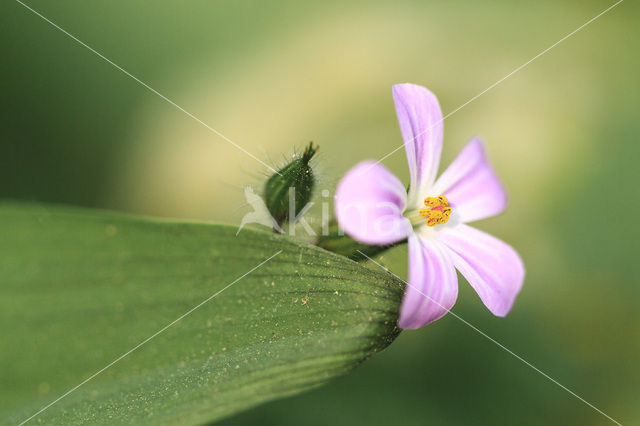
(373, 207)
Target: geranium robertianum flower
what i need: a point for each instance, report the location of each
(373, 207)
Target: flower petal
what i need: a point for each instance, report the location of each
(420, 121)
(492, 267)
(369, 204)
(433, 284)
(471, 185)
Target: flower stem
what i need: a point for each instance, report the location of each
(335, 241)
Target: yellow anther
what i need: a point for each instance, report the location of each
(439, 201)
(437, 210)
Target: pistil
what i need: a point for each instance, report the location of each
(437, 210)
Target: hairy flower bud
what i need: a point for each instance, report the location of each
(287, 192)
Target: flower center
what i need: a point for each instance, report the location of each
(437, 210)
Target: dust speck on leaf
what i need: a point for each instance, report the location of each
(43, 388)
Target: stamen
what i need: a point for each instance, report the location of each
(437, 210)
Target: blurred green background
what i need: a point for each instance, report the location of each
(562, 133)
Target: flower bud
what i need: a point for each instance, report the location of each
(288, 191)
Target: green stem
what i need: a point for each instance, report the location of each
(335, 241)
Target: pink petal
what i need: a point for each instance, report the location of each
(492, 267)
(369, 204)
(420, 121)
(433, 284)
(471, 185)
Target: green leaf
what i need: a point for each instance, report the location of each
(80, 288)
